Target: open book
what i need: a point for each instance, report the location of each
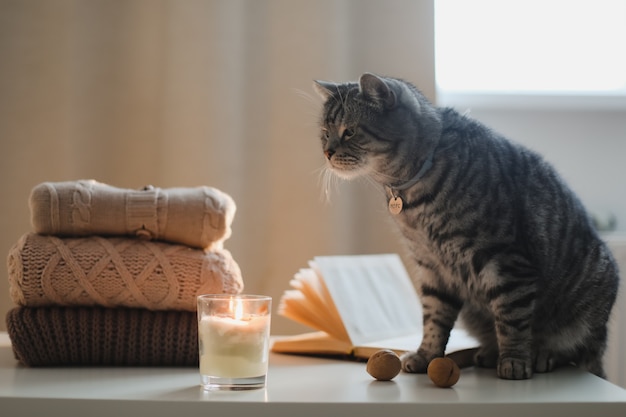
(358, 304)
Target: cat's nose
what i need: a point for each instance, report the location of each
(329, 153)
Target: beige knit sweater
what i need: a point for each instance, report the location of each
(199, 217)
(116, 272)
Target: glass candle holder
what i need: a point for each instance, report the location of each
(233, 339)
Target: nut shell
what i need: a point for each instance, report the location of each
(444, 372)
(384, 365)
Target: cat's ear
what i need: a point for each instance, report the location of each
(324, 89)
(377, 90)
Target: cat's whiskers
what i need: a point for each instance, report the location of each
(311, 99)
(328, 180)
(314, 103)
(341, 99)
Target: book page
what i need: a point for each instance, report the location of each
(373, 294)
(459, 339)
(309, 303)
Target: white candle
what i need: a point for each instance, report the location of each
(234, 347)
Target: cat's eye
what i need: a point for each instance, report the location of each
(348, 133)
(326, 133)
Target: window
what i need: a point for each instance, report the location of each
(531, 47)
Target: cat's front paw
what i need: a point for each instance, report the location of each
(416, 362)
(515, 368)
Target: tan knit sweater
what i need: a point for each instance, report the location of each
(199, 217)
(116, 272)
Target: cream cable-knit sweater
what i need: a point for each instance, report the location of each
(116, 272)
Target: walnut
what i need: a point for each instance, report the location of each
(444, 372)
(384, 365)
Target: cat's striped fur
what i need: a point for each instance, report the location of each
(495, 233)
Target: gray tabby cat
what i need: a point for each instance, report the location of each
(498, 239)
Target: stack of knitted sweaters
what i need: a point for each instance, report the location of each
(110, 276)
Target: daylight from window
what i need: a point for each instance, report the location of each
(543, 46)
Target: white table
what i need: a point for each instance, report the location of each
(300, 387)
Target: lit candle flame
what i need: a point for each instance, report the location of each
(238, 309)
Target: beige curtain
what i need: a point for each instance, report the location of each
(193, 92)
